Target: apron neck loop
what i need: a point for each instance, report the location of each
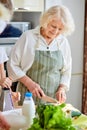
(38, 41)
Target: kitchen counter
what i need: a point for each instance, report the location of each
(19, 122)
(7, 44)
(8, 40)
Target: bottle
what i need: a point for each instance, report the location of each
(7, 103)
(28, 108)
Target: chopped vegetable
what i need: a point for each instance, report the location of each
(81, 122)
(75, 113)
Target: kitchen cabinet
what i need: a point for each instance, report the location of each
(28, 5)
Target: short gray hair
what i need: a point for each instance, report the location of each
(62, 13)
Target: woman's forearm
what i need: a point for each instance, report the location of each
(26, 81)
(2, 71)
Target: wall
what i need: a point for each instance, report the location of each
(49, 3)
(32, 17)
(76, 42)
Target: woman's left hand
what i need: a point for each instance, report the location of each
(6, 82)
(15, 96)
(61, 94)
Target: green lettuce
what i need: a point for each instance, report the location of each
(50, 117)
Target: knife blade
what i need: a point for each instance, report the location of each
(49, 99)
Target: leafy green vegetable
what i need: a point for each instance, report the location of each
(50, 117)
(36, 125)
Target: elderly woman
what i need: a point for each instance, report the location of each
(8, 29)
(5, 16)
(6, 13)
(4, 81)
(41, 58)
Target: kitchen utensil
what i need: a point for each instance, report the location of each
(49, 99)
(6, 100)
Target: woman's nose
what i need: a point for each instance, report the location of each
(56, 30)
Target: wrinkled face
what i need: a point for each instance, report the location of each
(53, 29)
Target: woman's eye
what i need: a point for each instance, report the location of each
(59, 29)
(56, 27)
(53, 26)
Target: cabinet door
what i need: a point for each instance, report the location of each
(29, 5)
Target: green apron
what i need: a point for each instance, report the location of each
(46, 71)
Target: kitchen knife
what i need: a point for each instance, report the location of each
(49, 99)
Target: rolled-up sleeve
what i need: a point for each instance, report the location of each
(21, 57)
(3, 55)
(67, 68)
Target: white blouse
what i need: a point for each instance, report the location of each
(22, 54)
(3, 55)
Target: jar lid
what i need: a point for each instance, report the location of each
(28, 94)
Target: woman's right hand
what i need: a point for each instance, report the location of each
(5, 82)
(32, 86)
(36, 90)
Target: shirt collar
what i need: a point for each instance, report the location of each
(36, 30)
